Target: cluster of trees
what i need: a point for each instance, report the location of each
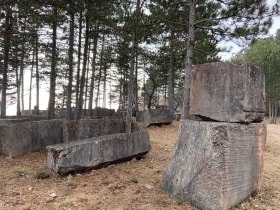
(82, 46)
(265, 53)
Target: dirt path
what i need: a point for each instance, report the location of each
(131, 185)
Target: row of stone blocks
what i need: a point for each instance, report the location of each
(218, 160)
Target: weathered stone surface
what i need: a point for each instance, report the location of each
(20, 138)
(228, 92)
(158, 116)
(88, 128)
(140, 116)
(215, 165)
(96, 152)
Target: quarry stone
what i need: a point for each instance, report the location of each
(228, 92)
(96, 152)
(21, 138)
(158, 116)
(215, 165)
(89, 128)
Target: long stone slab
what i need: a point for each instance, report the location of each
(89, 128)
(158, 116)
(96, 152)
(21, 138)
(228, 92)
(215, 165)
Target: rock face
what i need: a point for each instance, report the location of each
(228, 92)
(215, 165)
(158, 116)
(20, 138)
(96, 152)
(89, 128)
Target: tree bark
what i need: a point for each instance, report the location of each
(100, 72)
(51, 107)
(37, 77)
(189, 58)
(94, 53)
(170, 97)
(70, 71)
(79, 60)
(31, 78)
(131, 69)
(82, 84)
(7, 39)
(18, 84)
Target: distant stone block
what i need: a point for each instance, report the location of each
(158, 116)
(216, 165)
(96, 152)
(21, 138)
(228, 92)
(140, 116)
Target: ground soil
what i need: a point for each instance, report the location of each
(129, 185)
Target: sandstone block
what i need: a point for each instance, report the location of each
(216, 165)
(96, 152)
(228, 92)
(158, 116)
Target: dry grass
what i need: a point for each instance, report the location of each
(130, 185)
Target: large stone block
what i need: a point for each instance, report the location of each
(228, 92)
(20, 138)
(96, 152)
(216, 165)
(89, 128)
(158, 116)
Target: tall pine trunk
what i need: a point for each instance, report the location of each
(37, 76)
(79, 59)
(70, 71)
(100, 72)
(7, 39)
(131, 69)
(18, 84)
(51, 107)
(170, 97)
(189, 60)
(31, 79)
(82, 82)
(94, 52)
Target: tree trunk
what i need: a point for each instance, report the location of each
(7, 39)
(79, 60)
(51, 107)
(170, 97)
(18, 85)
(136, 83)
(94, 52)
(31, 78)
(82, 84)
(100, 72)
(87, 72)
(70, 71)
(104, 87)
(37, 78)
(189, 58)
(131, 69)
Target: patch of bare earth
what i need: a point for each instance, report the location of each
(130, 185)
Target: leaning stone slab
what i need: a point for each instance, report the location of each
(158, 116)
(96, 152)
(216, 165)
(228, 92)
(21, 138)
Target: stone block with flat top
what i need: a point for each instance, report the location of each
(216, 165)
(158, 116)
